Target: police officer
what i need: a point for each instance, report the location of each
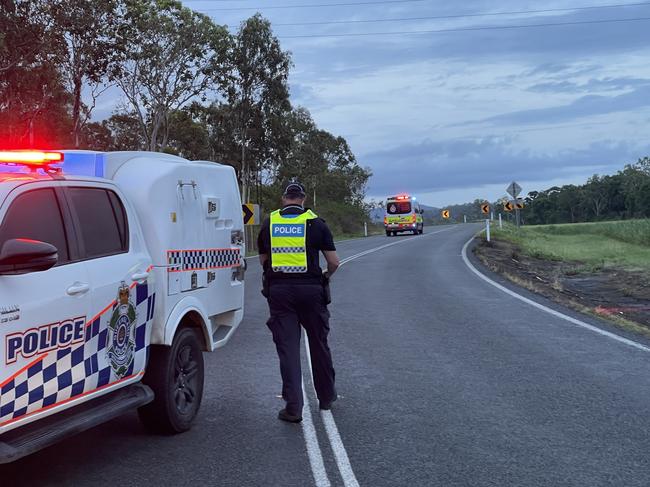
(298, 293)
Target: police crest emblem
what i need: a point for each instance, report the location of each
(120, 341)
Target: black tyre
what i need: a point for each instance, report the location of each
(175, 374)
(394, 234)
(387, 233)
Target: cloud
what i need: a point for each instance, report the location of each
(431, 166)
(535, 45)
(585, 106)
(590, 86)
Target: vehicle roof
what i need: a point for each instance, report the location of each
(82, 165)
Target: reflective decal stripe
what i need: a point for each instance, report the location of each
(290, 268)
(70, 399)
(59, 376)
(13, 376)
(202, 259)
(288, 250)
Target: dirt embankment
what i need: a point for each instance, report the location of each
(619, 295)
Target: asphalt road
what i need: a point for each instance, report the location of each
(444, 380)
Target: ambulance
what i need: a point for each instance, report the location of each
(403, 214)
(117, 270)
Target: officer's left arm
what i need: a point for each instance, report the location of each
(326, 246)
(263, 259)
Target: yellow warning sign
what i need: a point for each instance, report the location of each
(445, 214)
(251, 213)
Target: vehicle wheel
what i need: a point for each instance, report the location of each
(175, 374)
(387, 233)
(394, 234)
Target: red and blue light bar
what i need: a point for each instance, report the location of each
(31, 158)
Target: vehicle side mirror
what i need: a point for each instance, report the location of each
(20, 256)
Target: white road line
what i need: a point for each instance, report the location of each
(333, 435)
(340, 454)
(550, 311)
(381, 247)
(313, 448)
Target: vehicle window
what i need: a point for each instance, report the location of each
(101, 216)
(120, 217)
(398, 207)
(36, 215)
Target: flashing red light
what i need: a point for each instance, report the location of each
(31, 158)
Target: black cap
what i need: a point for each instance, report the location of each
(294, 190)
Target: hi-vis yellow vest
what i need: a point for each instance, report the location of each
(289, 241)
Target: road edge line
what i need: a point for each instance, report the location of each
(548, 310)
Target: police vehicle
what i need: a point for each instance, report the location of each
(403, 214)
(117, 270)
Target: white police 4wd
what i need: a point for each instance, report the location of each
(115, 274)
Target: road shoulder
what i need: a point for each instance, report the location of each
(636, 334)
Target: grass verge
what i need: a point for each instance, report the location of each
(621, 244)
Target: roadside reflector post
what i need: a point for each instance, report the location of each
(365, 229)
(487, 229)
(464, 218)
(500, 222)
(492, 215)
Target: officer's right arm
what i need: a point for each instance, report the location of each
(264, 242)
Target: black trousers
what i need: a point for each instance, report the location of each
(292, 305)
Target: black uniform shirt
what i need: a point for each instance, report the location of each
(318, 238)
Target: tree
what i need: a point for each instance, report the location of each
(33, 100)
(173, 55)
(87, 45)
(189, 134)
(124, 132)
(595, 198)
(328, 168)
(25, 32)
(258, 96)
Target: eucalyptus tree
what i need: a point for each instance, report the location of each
(257, 93)
(85, 33)
(33, 100)
(172, 56)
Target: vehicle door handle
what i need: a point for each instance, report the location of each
(139, 276)
(78, 288)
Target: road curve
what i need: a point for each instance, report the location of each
(444, 380)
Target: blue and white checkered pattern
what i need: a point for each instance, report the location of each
(69, 372)
(188, 260)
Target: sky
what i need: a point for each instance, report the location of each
(458, 111)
